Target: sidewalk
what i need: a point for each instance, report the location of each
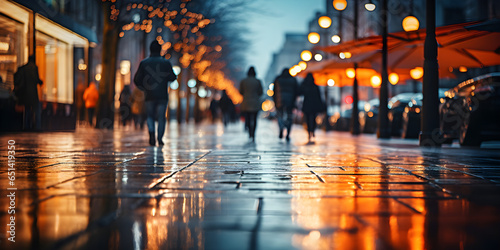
(211, 188)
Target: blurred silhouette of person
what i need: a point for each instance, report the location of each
(251, 89)
(91, 95)
(80, 106)
(153, 77)
(285, 93)
(226, 107)
(214, 107)
(26, 81)
(125, 105)
(312, 104)
(138, 110)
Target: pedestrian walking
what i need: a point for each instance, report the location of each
(251, 89)
(90, 96)
(138, 110)
(312, 104)
(226, 107)
(214, 107)
(286, 90)
(26, 81)
(153, 77)
(80, 106)
(125, 105)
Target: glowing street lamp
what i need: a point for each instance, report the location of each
(324, 22)
(370, 6)
(331, 82)
(313, 37)
(410, 23)
(344, 55)
(376, 81)
(417, 73)
(336, 39)
(306, 55)
(339, 4)
(350, 72)
(303, 65)
(393, 78)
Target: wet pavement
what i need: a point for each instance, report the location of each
(209, 187)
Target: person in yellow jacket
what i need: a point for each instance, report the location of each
(90, 96)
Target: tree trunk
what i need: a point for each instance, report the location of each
(105, 110)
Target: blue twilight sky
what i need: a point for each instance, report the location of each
(267, 28)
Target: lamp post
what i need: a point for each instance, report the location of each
(383, 120)
(324, 22)
(355, 92)
(340, 5)
(430, 114)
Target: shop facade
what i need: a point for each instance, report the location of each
(25, 31)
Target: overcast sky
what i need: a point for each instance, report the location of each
(268, 28)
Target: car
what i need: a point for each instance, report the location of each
(470, 111)
(397, 105)
(341, 121)
(368, 116)
(411, 115)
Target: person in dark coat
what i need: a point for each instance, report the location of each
(26, 81)
(138, 109)
(125, 105)
(80, 106)
(214, 107)
(153, 77)
(312, 104)
(285, 93)
(251, 89)
(226, 107)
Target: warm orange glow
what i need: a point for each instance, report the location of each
(417, 73)
(313, 37)
(267, 105)
(270, 92)
(217, 80)
(375, 81)
(410, 23)
(295, 70)
(347, 55)
(462, 69)
(303, 65)
(393, 78)
(324, 22)
(306, 55)
(339, 4)
(350, 72)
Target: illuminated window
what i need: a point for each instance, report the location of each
(55, 67)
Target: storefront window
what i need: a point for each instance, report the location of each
(55, 60)
(11, 51)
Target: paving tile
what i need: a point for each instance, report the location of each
(209, 187)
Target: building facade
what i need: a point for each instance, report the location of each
(61, 47)
(287, 56)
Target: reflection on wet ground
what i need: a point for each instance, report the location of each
(209, 187)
